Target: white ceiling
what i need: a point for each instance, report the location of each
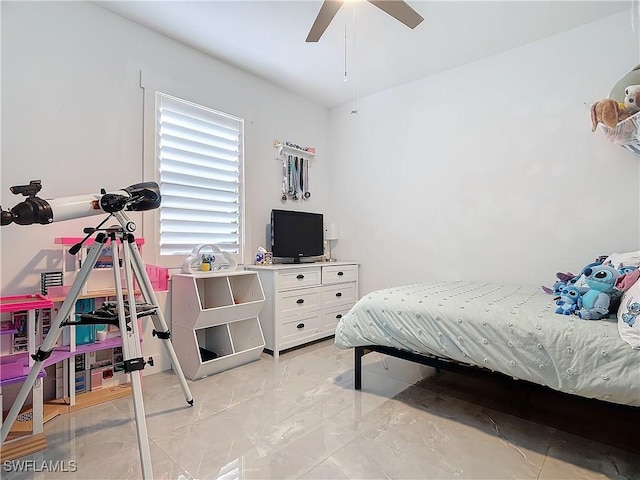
(267, 38)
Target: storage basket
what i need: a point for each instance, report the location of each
(626, 133)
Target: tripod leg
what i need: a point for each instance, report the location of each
(161, 328)
(54, 333)
(133, 361)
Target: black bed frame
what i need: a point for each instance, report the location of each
(435, 362)
(622, 419)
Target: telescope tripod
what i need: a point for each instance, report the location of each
(117, 314)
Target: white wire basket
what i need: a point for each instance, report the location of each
(626, 133)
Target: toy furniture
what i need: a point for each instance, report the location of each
(18, 321)
(82, 371)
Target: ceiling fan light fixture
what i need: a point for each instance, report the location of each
(398, 9)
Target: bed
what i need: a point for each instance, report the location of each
(510, 329)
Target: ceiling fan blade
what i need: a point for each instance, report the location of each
(400, 11)
(325, 15)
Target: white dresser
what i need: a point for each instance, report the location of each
(304, 302)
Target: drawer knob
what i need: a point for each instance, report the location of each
(339, 294)
(339, 316)
(340, 274)
(300, 301)
(300, 325)
(300, 276)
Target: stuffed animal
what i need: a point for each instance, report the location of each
(569, 278)
(632, 99)
(609, 112)
(633, 310)
(600, 280)
(557, 287)
(569, 300)
(631, 78)
(626, 269)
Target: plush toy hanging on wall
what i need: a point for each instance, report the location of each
(609, 112)
(632, 99)
(613, 112)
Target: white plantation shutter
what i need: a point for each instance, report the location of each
(200, 158)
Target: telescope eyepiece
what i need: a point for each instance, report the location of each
(31, 210)
(6, 217)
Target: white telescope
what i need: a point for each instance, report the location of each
(136, 198)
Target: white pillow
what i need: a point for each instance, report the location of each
(629, 316)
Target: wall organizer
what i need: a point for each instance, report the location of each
(295, 169)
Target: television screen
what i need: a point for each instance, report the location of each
(296, 235)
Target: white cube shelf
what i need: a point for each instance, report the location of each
(215, 321)
(215, 299)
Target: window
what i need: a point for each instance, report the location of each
(200, 157)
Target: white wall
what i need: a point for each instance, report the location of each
(72, 116)
(489, 171)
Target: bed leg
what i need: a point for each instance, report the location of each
(359, 351)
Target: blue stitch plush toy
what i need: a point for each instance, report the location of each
(626, 269)
(569, 278)
(633, 311)
(596, 299)
(569, 300)
(563, 279)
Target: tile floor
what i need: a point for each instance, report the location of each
(299, 417)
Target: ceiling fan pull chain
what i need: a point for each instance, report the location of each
(354, 108)
(345, 48)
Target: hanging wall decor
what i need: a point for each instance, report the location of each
(295, 170)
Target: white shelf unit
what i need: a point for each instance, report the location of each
(215, 322)
(305, 302)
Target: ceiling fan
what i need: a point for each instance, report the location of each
(396, 8)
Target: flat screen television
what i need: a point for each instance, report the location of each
(296, 236)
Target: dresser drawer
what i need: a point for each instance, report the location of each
(331, 317)
(339, 294)
(339, 274)
(299, 301)
(299, 277)
(295, 332)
